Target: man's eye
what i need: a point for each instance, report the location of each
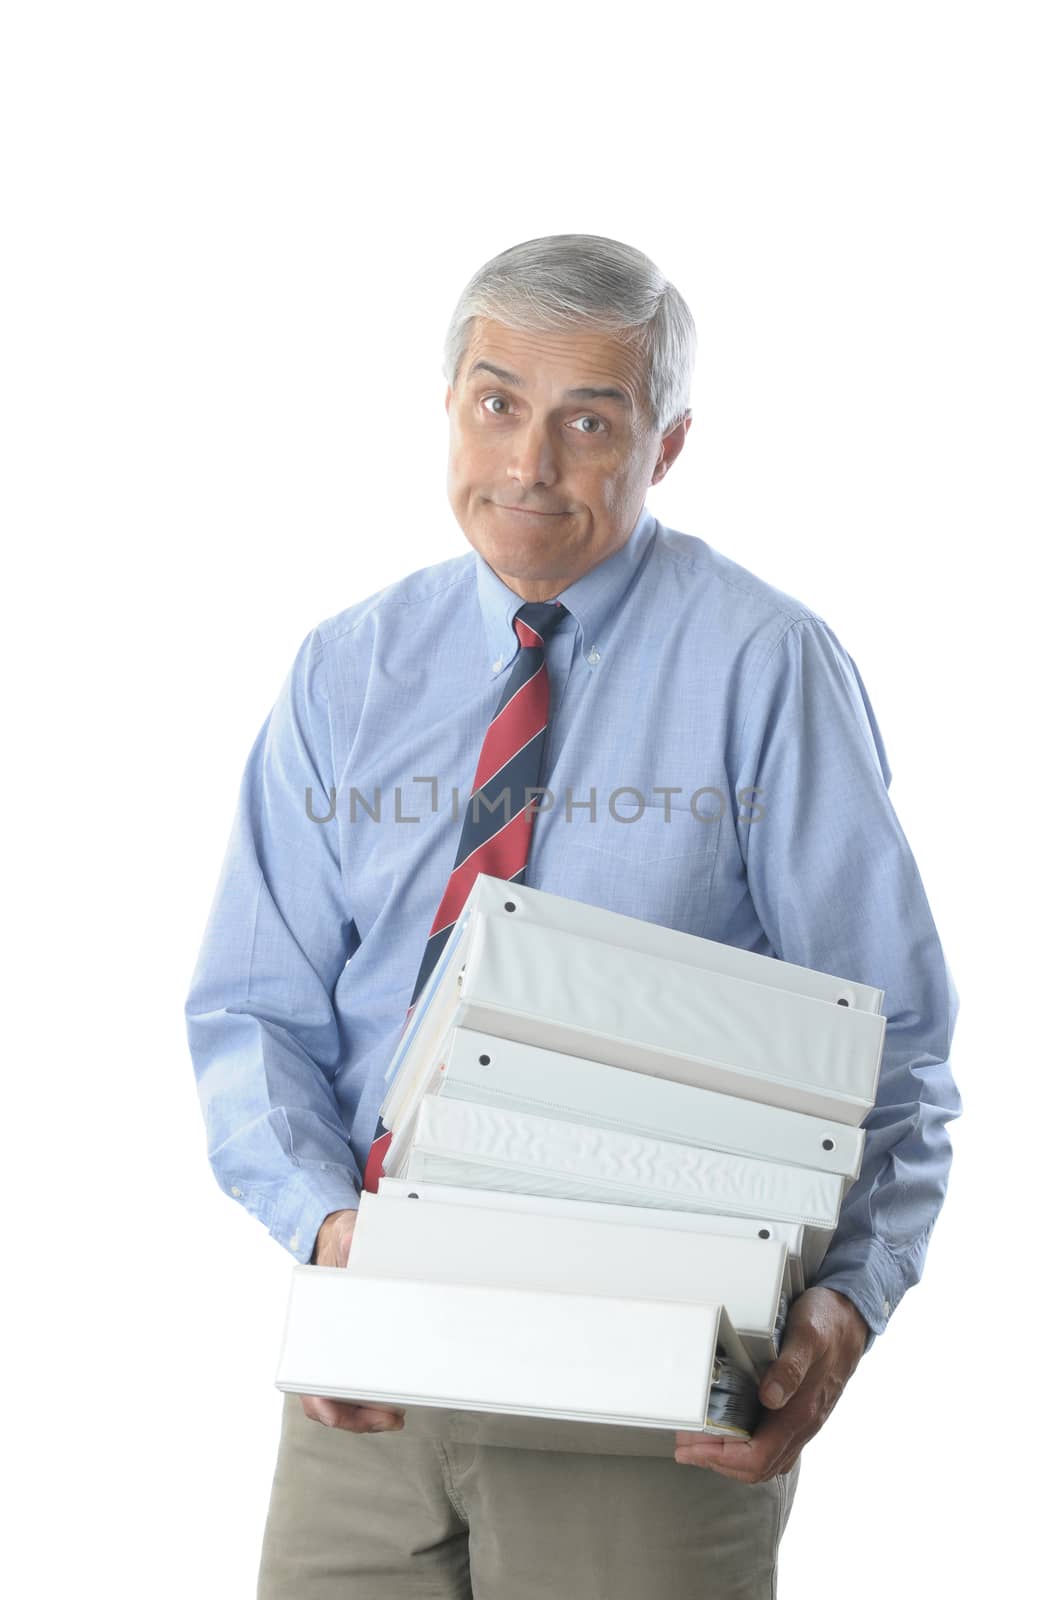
(489, 401)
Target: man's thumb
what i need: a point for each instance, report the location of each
(786, 1374)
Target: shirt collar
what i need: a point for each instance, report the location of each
(592, 599)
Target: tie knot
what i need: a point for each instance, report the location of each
(536, 621)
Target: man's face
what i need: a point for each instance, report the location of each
(547, 481)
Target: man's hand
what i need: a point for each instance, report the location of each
(331, 1249)
(824, 1340)
(333, 1243)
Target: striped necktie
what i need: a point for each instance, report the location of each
(496, 833)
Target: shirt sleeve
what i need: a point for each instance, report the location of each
(836, 887)
(262, 1030)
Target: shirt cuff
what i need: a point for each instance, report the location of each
(865, 1273)
(303, 1203)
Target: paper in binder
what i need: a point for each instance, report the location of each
(653, 1000)
(526, 1078)
(518, 1366)
(397, 1238)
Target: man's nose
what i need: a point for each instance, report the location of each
(534, 457)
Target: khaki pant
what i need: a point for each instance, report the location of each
(389, 1516)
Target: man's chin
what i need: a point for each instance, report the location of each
(516, 559)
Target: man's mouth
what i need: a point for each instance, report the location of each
(526, 511)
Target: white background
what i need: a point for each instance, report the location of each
(235, 234)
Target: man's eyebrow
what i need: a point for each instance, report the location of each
(584, 393)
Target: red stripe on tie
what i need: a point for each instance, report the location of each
(527, 634)
(483, 780)
(374, 1163)
(519, 720)
(500, 857)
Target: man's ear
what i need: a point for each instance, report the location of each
(671, 444)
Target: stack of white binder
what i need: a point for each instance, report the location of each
(628, 1147)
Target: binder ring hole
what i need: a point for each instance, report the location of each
(843, 1002)
(828, 1144)
(510, 905)
(414, 1196)
(763, 1233)
(485, 1061)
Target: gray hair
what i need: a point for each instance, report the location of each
(581, 280)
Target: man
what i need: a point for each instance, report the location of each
(710, 760)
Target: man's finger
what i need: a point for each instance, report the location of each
(753, 1460)
(744, 1459)
(364, 1419)
(354, 1418)
(752, 1470)
(771, 1460)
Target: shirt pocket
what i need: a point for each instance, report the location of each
(646, 863)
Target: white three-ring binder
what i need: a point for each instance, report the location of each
(476, 1066)
(587, 982)
(629, 1372)
(484, 1147)
(398, 1238)
(789, 1234)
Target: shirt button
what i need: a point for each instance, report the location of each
(593, 655)
(496, 666)
(885, 1308)
(293, 1242)
(235, 1190)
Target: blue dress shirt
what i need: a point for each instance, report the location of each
(713, 764)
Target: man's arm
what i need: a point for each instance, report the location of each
(836, 887)
(262, 1030)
